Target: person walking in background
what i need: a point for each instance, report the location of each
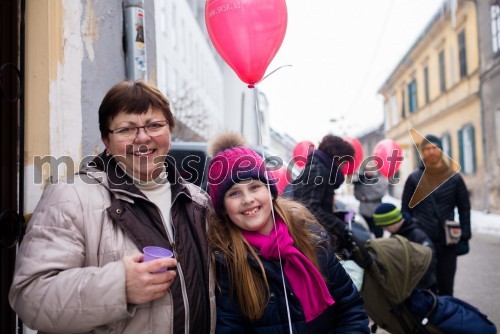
(388, 217)
(369, 189)
(79, 268)
(316, 185)
(256, 237)
(431, 198)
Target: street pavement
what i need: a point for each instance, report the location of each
(478, 275)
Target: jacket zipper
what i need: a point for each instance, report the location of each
(174, 249)
(181, 274)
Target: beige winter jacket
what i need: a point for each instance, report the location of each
(69, 275)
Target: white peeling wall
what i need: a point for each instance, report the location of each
(65, 91)
(64, 105)
(91, 62)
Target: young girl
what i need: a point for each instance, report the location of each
(248, 242)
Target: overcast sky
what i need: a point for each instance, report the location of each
(341, 53)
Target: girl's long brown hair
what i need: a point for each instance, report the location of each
(248, 284)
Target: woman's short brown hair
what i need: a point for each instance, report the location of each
(132, 97)
(336, 147)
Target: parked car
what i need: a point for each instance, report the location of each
(191, 160)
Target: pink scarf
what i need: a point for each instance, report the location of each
(305, 279)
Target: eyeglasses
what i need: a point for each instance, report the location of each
(152, 129)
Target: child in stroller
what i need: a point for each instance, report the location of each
(393, 267)
(388, 217)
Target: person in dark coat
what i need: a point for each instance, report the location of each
(275, 266)
(369, 189)
(316, 185)
(388, 217)
(431, 198)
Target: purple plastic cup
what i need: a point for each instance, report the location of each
(154, 252)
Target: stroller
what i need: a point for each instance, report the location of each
(392, 269)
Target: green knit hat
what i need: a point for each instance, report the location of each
(387, 214)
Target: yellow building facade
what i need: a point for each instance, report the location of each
(435, 90)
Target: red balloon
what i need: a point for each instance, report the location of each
(247, 33)
(301, 151)
(389, 155)
(283, 177)
(350, 167)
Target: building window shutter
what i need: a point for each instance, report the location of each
(462, 54)
(473, 140)
(403, 104)
(412, 96)
(442, 72)
(467, 149)
(426, 84)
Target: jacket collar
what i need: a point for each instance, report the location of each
(407, 226)
(106, 171)
(324, 157)
(336, 177)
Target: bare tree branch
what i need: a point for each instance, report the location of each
(189, 111)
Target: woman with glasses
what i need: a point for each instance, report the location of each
(80, 266)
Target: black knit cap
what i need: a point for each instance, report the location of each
(386, 214)
(433, 139)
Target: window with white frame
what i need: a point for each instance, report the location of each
(197, 62)
(163, 18)
(190, 54)
(495, 27)
(174, 26)
(394, 109)
(182, 41)
(174, 81)
(453, 77)
(162, 77)
(387, 116)
(446, 143)
(467, 149)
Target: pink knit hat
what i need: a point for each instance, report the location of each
(234, 165)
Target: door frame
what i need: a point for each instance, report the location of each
(11, 149)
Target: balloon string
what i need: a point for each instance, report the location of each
(261, 146)
(264, 78)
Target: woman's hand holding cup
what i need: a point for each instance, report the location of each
(150, 280)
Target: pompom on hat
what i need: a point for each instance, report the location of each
(386, 214)
(232, 163)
